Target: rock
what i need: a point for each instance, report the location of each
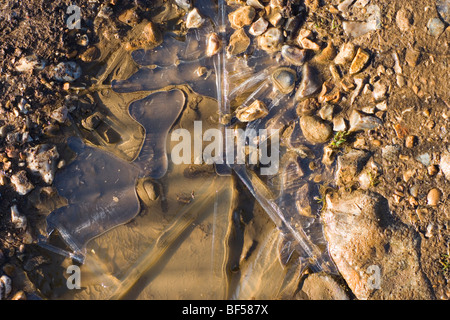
(194, 20)
(410, 141)
(60, 114)
(360, 61)
(315, 129)
(21, 183)
(327, 54)
(346, 54)
(360, 121)
(308, 44)
(271, 41)
(239, 42)
(433, 197)
(435, 27)
(150, 190)
(445, 165)
(349, 166)
(376, 254)
(390, 152)
(67, 71)
(242, 17)
(329, 154)
(284, 80)
(148, 36)
(339, 124)
(184, 4)
(214, 45)
(302, 203)
(310, 84)
(443, 8)
(255, 4)
(129, 17)
(42, 160)
(432, 170)
(424, 159)
(255, 111)
(19, 220)
(91, 54)
(403, 19)
(412, 57)
(5, 287)
(321, 286)
(294, 55)
(258, 27)
(29, 63)
(379, 91)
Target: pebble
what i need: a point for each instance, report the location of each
(433, 170)
(435, 27)
(315, 129)
(360, 61)
(294, 55)
(346, 54)
(19, 220)
(150, 37)
(321, 286)
(412, 57)
(443, 8)
(242, 17)
(91, 54)
(445, 165)
(151, 190)
(239, 42)
(310, 84)
(271, 41)
(184, 4)
(379, 91)
(60, 114)
(21, 183)
(67, 71)
(42, 160)
(410, 141)
(390, 152)
(433, 197)
(255, 111)
(258, 27)
(424, 159)
(5, 287)
(214, 44)
(194, 20)
(403, 19)
(360, 121)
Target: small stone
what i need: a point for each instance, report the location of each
(60, 114)
(435, 27)
(433, 197)
(18, 219)
(403, 19)
(346, 54)
(271, 41)
(339, 124)
(5, 287)
(424, 159)
(308, 44)
(194, 20)
(433, 170)
(410, 141)
(310, 84)
(321, 286)
(21, 183)
(67, 71)
(149, 37)
(255, 111)
(214, 44)
(91, 54)
(412, 57)
(315, 129)
(360, 121)
(150, 190)
(379, 91)
(129, 17)
(327, 54)
(294, 55)
(258, 27)
(239, 42)
(42, 160)
(20, 295)
(255, 4)
(445, 165)
(360, 61)
(242, 17)
(390, 152)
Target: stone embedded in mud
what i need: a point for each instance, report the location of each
(19, 220)
(349, 166)
(294, 55)
(360, 121)
(403, 19)
(214, 44)
(360, 61)
(239, 42)
(346, 53)
(129, 17)
(315, 129)
(258, 27)
(91, 54)
(60, 114)
(377, 255)
(445, 165)
(242, 17)
(435, 27)
(42, 160)
(67, 71)
(255, 111)
(310, 84)
(21, 183)
(322, 286)
(194, 20)
(148, 36)
(434, 196)
(284, 79)
(271, 41)
(443, 8)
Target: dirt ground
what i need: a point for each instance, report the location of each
(418, 110)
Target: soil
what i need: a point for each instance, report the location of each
(419, 108)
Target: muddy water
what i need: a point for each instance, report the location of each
(184, 243)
